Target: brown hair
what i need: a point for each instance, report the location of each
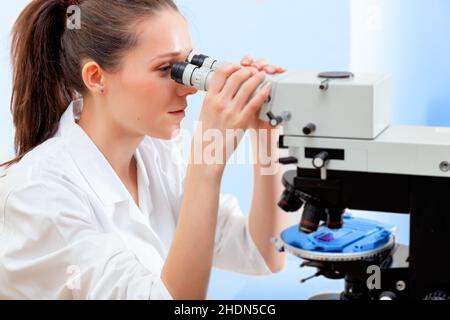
(47, 58)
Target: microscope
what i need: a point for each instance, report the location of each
(337, 130)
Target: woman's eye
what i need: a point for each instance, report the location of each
(165, 69)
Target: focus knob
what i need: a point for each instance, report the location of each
(320, 160)
(277, 120)
(309, 128)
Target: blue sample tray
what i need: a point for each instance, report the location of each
(357, 235)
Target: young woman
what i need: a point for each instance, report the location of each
(95, 206)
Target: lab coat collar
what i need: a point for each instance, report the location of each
(92, 164)
(142, 168)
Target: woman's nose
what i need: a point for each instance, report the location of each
(183, 90)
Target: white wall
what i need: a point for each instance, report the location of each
(410, 39)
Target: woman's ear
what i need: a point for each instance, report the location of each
(93, 77)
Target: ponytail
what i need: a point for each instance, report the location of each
(39, 92)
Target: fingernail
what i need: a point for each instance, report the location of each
(271, 69)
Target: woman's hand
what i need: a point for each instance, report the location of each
(261, 65)
(228, 110)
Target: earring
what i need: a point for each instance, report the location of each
(102, 90)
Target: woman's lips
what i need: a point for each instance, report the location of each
(180, 113)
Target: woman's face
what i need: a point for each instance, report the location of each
(142, 98)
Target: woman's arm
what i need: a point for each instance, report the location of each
(229, 105)
(188, 265)
(267, 220)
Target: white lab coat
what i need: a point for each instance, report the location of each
(69, 229)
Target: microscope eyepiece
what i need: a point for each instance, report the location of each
(177, 71)
(204, 61)
(198, 60)
(191, 75)
(199, 77)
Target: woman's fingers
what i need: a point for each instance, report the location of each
(255, 104)
(235, 81)
(247, 61)
(220, 77)
(273, 69)
(248, 89)
(260, 64)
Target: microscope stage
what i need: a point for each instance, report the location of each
(358, 239)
